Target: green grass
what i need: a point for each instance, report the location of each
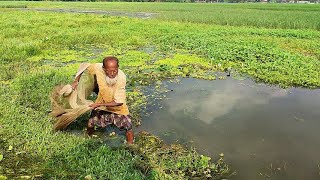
(272, 56)
(285, 16)
(40, 50)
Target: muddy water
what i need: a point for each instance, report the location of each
(265, 132)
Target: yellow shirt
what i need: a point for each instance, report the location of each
(108, 93)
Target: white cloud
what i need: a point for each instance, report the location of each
(222, 99)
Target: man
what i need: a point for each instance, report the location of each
(110, 106)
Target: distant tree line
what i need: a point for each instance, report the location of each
(270, 1)
(193, 1)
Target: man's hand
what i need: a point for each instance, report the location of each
(95, 105)
(109, 104)
(74, 85)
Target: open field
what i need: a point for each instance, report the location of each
(286, 16)
(42, 49)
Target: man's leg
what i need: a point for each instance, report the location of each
(90, 128)
(123, 122)
(130, 136)
(92, 121)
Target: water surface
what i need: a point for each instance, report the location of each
(264, 131)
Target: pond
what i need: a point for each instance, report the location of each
(265, 132)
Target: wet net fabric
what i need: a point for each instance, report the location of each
(68, 104)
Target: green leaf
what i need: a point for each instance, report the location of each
(1, 157)
(10, 148)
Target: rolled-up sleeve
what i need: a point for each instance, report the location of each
(120, 93)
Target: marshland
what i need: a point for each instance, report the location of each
(215, 90)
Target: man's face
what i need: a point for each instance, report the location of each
(111, 69)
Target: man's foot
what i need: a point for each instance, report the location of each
(130, 136)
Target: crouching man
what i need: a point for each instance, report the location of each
(110, 106)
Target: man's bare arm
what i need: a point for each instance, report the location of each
(75, 83)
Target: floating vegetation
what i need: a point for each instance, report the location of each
(160, 161)
(274, 169)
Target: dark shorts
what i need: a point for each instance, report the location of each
(103, 118)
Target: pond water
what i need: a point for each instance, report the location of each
(265, 132)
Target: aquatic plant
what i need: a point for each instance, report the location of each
(161, 161)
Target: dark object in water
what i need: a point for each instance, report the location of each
(229, 71)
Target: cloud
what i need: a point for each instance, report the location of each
(219, 100)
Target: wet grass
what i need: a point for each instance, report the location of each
(94, 159)
(40, 50)
(272, 56)
(15, 162)
(59, 155)
(12, 5)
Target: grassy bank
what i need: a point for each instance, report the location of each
(41, 49)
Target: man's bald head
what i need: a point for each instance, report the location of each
(110, 61)
(110, 66)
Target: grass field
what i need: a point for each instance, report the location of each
(275, 44)
(285, 16)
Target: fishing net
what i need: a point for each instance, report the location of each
(68, 104)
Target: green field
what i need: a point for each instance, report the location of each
(272, 43)
(285, 16)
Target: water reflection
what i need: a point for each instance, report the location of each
(210, 103)
(265, 132)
